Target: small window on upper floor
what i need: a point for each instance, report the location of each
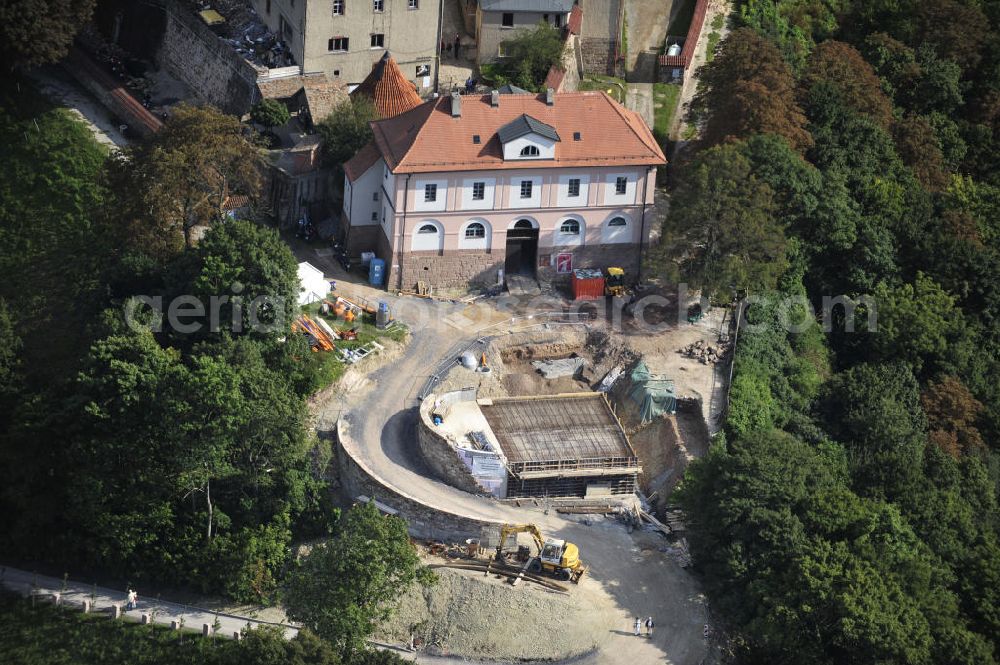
(378, 5)
(530, 151)
(413, 4)
(507, 20)
(570, 227)
(374, 215)
(378, 40)
(337, 44)
(574, 187)
(526, 187)
(430, 193)
(374, 196)
(478, 191)
(621, 185)
(338, 7)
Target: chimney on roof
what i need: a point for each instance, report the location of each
(456, 104)
(550, 97)
(494, 98)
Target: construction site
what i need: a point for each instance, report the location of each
(533, 458)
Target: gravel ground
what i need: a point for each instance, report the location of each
(486, 618)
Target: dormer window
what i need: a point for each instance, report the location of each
(528, 138)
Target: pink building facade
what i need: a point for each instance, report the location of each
(527, 198)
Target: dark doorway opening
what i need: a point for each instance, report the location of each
(522, 249)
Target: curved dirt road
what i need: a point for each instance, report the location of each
(637, 579)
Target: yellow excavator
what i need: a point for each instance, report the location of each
(555, 557)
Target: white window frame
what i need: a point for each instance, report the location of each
(423, 241)
(561, 239)
(332, 44)
(527, 188)
(377, 37)
(413, 4)
(570, 185)
(611, 235)
(483, 242)
(339, 7)
(430, 192)
(479, 195)
(378, 6)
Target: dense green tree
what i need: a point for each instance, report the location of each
(347, 130)
(919, 324)
(37, 32)
(748, 89)
(528, 57)
(179, 179)
(270, 113)
(348, 584)
(874, 410)
(256, 271)
(723, 234)
(842, 66)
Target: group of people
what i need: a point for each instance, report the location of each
(639, 624)
(447, 46)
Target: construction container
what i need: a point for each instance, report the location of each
(376, 272)
(587, 284)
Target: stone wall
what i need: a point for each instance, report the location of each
(454, 268)
(425, 521)
(363, 238)
(214, 72)
(440, 456)
(625, 256)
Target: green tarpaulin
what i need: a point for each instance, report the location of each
(652, 393)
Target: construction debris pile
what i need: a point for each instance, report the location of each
(706, 354)
(246, 33)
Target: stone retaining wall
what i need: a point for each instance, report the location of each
(440, 455)
(453, 268)
(211, 69)
(425, 521)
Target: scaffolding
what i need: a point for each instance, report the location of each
(561, 445)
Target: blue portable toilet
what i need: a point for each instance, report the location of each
(376, 272)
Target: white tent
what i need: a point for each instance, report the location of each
(312, 285)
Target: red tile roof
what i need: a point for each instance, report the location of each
(358, 165)
(388, 88)
(428, 139)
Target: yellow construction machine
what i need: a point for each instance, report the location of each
(555, 557)
(614, 283)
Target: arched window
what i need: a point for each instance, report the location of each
(617, 230)
(476, 234)
(429, 236)
(530, 151)
(523, 224)
(570, 227)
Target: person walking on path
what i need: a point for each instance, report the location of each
(132, 597)
(649, 626)
(637, 626)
